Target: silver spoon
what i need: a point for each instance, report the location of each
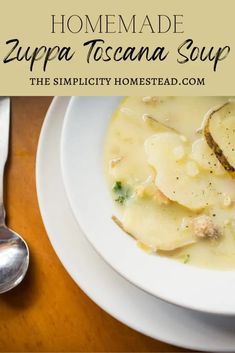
(14, 252)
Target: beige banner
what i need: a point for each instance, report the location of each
(78, 47)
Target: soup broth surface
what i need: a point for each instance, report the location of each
(174, 193)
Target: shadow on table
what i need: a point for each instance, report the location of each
(24, 294)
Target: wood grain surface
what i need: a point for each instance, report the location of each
(48, 312)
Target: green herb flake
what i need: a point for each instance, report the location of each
(120, 199)
(122, 192)
(186, 258)
(117, 186)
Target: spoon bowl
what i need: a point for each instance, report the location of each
(14, 259)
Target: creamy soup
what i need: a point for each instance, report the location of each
(170, 165)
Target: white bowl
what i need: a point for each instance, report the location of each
(82, 143)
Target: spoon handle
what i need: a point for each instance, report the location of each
(4, 139)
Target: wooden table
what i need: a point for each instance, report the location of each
(48, 312)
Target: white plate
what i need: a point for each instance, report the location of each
(103, 285)
(82, 142)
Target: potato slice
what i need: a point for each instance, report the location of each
(219, 132)
(205, 157)
(180, 179)
(159, 228)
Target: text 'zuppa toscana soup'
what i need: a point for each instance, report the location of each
(170, 163)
